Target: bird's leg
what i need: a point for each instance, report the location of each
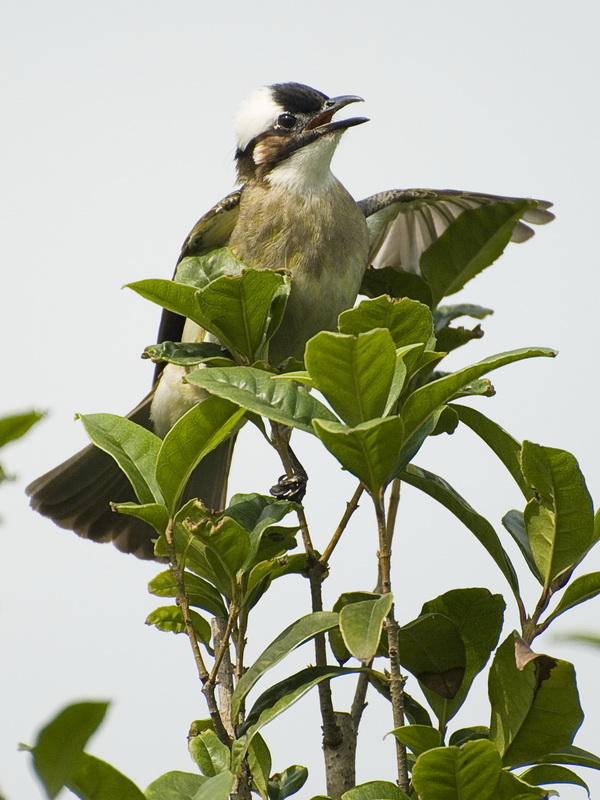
(292, 485)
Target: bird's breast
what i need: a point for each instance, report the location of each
(321, 239)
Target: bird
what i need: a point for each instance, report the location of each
(290, 212)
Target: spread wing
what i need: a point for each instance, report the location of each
(211, 231)
(403, 223)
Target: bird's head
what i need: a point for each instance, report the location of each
(289, 124)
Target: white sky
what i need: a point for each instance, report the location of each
(116, 137)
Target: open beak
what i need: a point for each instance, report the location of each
(322, 122)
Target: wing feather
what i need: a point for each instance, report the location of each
(403, 223)
(213, 230)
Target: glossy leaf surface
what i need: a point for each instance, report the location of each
(280, 400)
(369, 451)
(293, 636)
(560, 518)
(354, 373)
(361, 625)
(535, 710)
(134, 448)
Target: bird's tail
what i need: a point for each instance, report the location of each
(77, 494)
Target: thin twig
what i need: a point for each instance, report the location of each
(359, 701)
(223, 645)
(350, 509)
(316, 571)
(224, 677)
(532, 627)
(391, 627)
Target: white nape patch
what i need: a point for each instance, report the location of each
(307, 171)
(256, 114)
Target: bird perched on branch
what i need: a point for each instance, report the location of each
(290, 213)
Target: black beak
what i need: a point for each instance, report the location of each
(321, 123)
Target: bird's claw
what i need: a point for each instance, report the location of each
(291, 488)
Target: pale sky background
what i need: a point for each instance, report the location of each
(116, 137)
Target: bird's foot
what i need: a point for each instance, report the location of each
(290, 487)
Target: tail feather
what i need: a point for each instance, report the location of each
(77, 494)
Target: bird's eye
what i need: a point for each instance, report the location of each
(286, 121)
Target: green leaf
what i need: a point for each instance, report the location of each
(375, 790)
(175, 786)
(408, 321)
(217, 788)
(361, 625)
(170, 620)
(482, 387)
(581, 589)
(336, 641)
(280, 400)
(134, 448)
(419, 738)
(258, 515)
(441, 491)
(451, 338)
(571, 755)
(211, 545)
(404, 363)
(199, 592)
(512, 788)
(535, 709)
(209, 753)
(186, 354)
(551, 773)
(514, 522)
(257, 511)
(444, 315)
(413, 444)
(58, 750)
(446, 422)
(414, 712)
(395, 283)
(354, 373)
(423, 402)
(278, 698)
(369, 451)
(478, 616)
(237, 310)
(470, 244)
(97, 780)
(430, 647)
(200, 270)
(263, 574)
(581, 638)
(471, 734)
(192, 437)
(177, 297)
(448, 773)
(155, 514)
(300, 631)
(260, 763)
(16, 425)
(560, 518)
(287, 783)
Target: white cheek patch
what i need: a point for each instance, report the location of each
(257, 113)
